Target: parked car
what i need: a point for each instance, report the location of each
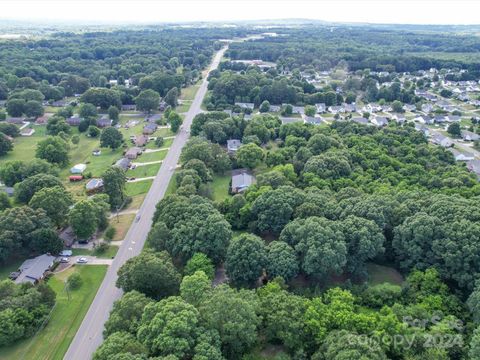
(64, 260)
(82, 260)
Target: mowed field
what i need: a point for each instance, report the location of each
(52, 342)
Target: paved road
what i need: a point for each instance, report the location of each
(89, 335)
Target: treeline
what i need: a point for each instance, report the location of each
(361, 48)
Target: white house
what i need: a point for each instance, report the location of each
(462, 156)
(78, 169)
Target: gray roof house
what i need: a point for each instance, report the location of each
(321, 108)
(470, 136)
(241, 180)
(149, 128)
(133, 153)
(33, 270)
(461, 155)
(474, 166)
(245, 105)
(15, 120)
(74, 120)
(314, 120)
(129, 107)
(233, 145)
(123, 163)
(360, 120)
(379, 120)
(104, 121)
(94, 184)
(441, 140)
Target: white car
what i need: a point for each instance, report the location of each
(64, 260)
(82, 260)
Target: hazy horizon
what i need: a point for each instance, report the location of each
(409, 12)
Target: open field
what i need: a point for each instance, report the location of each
(52, 342)
(153, 156)
(379, 274)
(121, 225)
(107, 254)
(136, 188)
(219, 187)
(144, 171)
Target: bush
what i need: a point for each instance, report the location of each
(199, 262)
(74, 281)
(110, 233)
(159, 141)
(102, 248)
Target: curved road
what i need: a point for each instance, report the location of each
(89, 335)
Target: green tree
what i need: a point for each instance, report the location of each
(281, 261)
(88, 111)
(126, 313)
(75, 139)
(397, 106)
(28, 187)
(246, 259)
(53, 149)
(114, 186)
(57, 124)
(74, 281)
(249, 155)
(195, 288)
(9, 129)
(234, 315)
(33, 109)
(101, 97)
(14, 171)
(15, 107)
(150, 273)
(45, 241)
(83, 219)
(93, 131)
(119, 344)
(56, 202)
(454, 129)
(170, 327)
(171, 98)
(175, 121)
(113, 114)
(319, 243)
(6, 145)
(264, 106)
(473, 303)
(199, 262)
(4, 201)
(310, 110)
(474, 351)
(111, 138)
(147, 100)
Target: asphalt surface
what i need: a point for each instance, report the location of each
(89, 336)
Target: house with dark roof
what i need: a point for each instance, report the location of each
(149, 128)
(379, 121)
(314, 120)
(94, 185)
(474, 166)
(140, 140)
(104, 121)
(129, 107)
(59, 103)
(34, 270)
(442, 140)
(461, 155)
(360, 120)
(74, 120)
(153, 118)
(133, 153)
(241, 180)
(16, 120)
(245, 105)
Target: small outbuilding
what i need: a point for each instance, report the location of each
(78, 169)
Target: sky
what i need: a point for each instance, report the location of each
(157, 11)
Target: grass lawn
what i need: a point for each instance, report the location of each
(153, 156)
(24, 147)
(182, 108)
(379, 274)
(52, 342)
(189, 92)
(172, 186)
(108, 254)
(137, 201)
(164, 132)
(166, 144)
(219, 187)
(122, 226)
(10, 266)
(144, 171)
(137, 188)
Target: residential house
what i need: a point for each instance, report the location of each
(94, 185)
(474, 166)
(453, 118)
(74, 120)
(379, 121)
(461, 156)
(78, 169)
(104, 121)
(34, 270)
(441, 140)
(59, 103)
(360, 120)
(470, 136)
(123, 163)
(241, 180)
(440, 119)
(427, 108)
(149, 128)
(336, 109)
(350, 107)
(314, 120)
(275, 108)
(16, 120)
(140, 140)
(399, 118)
(423, 119)
(233, 145)
(133, 153)
(129, 107)
(245, 105)
(425, 130)
(409, 107)
(228, 112)
(289, 120)
(42, 120)
(153, 118)
(321, 108)
(372, 108)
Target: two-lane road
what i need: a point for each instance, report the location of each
(89, 335)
